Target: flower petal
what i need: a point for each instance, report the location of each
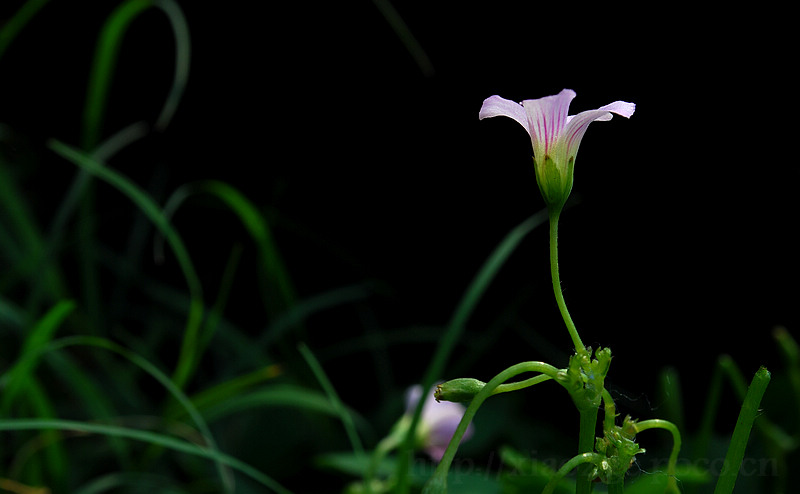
(495, 106)
(622, 108)
(547, 118)
(577, 124)
(442, 432)
(413, 394)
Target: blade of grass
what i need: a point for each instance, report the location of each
(303, 309)
(103, 152)
(105, 58)
(336, 403)
(45, 263)
(232, 388)
(100, 78)
(89, 394)
(27, 252)
(19, 20)
(225, 285)
(247, 354)
(17, 378)
(741, 433)
(255, 223)
(706, 430)
(456, 327)
(127, 482)
(403, 32)
(791, 355)
(189, 355)
(158, 375)
(280, 395)
(147, 437)
(180, 29)
(52, 467)
(771, 432)
(280, 294)
(671, 396)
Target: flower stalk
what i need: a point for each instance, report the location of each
(562, 305)
(438, 482)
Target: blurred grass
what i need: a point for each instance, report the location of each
(189, 355)
(36, 258)
(144, 436)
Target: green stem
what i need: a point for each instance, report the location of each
(505, 388)
(562, 306)
(438, 481)
(616, 488)
(586, 439)
(672, 484)
(588, 421)
(609, 410)
(580, 461)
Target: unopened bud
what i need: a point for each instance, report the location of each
(458, 390)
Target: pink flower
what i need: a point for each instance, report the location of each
(438, 422)
(555, 135)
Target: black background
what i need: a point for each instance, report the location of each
(679, 244)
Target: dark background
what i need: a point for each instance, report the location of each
(679, 244)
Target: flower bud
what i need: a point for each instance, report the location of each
(458, 390)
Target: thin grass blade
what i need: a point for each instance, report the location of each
(337, 404)
(189, 355)
(741, 433)
(281, 295)
(147, 437)
(17, 22)
(18, 377)
(158, 375)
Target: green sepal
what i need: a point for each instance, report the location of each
(554, 184)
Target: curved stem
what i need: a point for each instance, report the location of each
(505, 388)
(454, 330)
(672, 485)
(609, 410)
(439, 479)
(562, 306)
(576, 461)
